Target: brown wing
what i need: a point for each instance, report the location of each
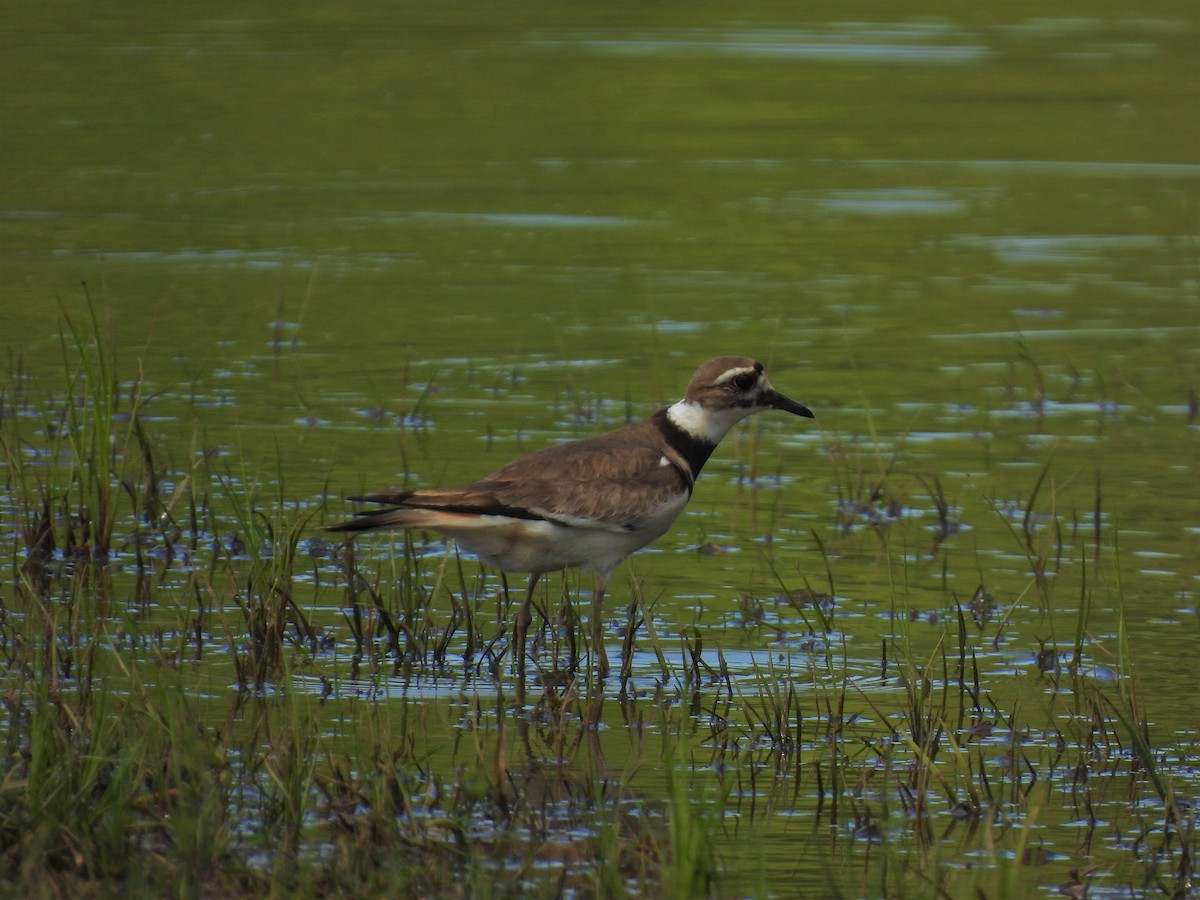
(608, 479)
(614, 479)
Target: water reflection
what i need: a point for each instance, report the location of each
(938, 44)
(472, 234)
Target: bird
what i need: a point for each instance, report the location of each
(586, 503)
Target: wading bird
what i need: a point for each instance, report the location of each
(587, 503)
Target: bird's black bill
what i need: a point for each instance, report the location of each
(778, 401)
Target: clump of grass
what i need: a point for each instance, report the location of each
(199, 712)
(89, 448)
(693, 865)
(267, 598)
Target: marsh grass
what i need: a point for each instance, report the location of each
(200, 698)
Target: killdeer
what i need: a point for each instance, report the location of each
(587, 503)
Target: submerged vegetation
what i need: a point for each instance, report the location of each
(202, 697)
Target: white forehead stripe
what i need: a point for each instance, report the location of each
(730, 374)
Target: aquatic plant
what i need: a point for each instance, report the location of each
(213, 696)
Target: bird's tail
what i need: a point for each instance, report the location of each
(378, 519)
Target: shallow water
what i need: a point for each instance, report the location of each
(353, 248)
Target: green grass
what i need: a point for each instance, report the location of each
(201, 697)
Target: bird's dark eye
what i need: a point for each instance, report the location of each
(743, 382)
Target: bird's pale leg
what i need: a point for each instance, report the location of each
(520, 632)
(598, 625)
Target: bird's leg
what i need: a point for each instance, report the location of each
(597, 625)
(520, 632)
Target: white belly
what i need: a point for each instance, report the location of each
(541, 545)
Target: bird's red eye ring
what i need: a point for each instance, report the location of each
(743, 382)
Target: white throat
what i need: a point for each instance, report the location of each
(705, 425)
